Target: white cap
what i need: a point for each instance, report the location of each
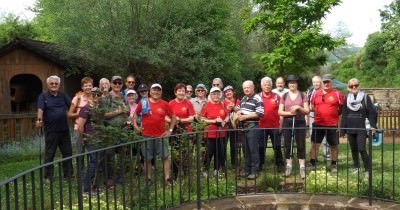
(130, 91)
(213, 89)
(156, 85)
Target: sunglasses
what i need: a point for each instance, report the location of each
(117, 83)
(54, 83)
(325, 82)
(353, 86)
(200, 90)
(189, 91)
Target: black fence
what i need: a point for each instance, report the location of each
(118, 177)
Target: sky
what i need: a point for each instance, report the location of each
(359, 17)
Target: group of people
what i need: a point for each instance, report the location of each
(282, 115)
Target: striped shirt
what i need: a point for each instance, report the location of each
(252, 104)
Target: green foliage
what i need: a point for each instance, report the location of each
(155, 40)
(12, 27)
(295, 43)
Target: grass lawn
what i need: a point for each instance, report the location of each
(134, 192)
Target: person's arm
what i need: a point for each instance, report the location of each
(41, 106)
(372, 113)
(81, 125)
(72, 112)
(283, 113)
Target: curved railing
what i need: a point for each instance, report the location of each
(120, 183)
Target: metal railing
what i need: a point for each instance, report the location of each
(119, 180)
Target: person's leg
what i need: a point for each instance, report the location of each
(352, 138)
(253, 139)
(262, 142)
(232, 145)
(91, 169)
(49, 153)
(361, 142)
(332, 138)
(161, 146)
(317, 135)
(66, 151)
(147, 149)
(326, 152)
(220, 153)
(276, 144)
(247, 153)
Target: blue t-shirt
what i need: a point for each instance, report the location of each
(54, 111)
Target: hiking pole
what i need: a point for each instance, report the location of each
(41, 136)
(292, 140)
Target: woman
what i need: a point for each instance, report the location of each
(80, 100)
(104, 85)
(131, 97)
(184, 112)
(230, 102)
(215, 115)
(200, 99)
(357, 110)
(293, 107)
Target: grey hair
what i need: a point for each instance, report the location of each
(355, 80)
(102, 80)
(189, 87)
(219, 80)
(266, 80)
(249, 82)
(316, 77)
(53, 77)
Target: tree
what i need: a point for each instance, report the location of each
(292, 30)
(12, 27)
(170, 41)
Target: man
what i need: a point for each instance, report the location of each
(52, 112)
(280, 87)
(189, 92)
(153, 126)
(316, 85)
(129, 84)
(270, 121)
(116, 104)
(327, 104)
(250, 110)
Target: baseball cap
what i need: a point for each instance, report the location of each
(116, 78)
(130, 92)
(201, 85)
(327, 77)
(142, 87)
(214, 89)
(156, 85)
(229, 87)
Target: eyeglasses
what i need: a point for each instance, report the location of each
(130, 82)
(189, 91)
(53, 83)
(353, 86)
(215, 85)
(117, 83)
(200, 90)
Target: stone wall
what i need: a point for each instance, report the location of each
(388, 98)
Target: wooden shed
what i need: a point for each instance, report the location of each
(24, 67)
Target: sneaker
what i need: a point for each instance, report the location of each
(333, 169)
(303, 172)
(367, 175)
(288, 170)
(252, 176)
(355, 171)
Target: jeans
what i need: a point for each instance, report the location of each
(91, 169)
(251, 154)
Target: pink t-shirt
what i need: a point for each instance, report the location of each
(83, 100)
(299, 100)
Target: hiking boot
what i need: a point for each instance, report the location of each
(288, 170)
(333, 169)
(303, 172)
(311, 167)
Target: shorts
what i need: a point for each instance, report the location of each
(153, 147)
(319, 132)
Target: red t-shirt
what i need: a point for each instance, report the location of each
(326, 107)
(235, 102)
(153, 122)
(212, 111)
(183, 110)
(271, 105)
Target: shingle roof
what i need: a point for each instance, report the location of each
(46, 50)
